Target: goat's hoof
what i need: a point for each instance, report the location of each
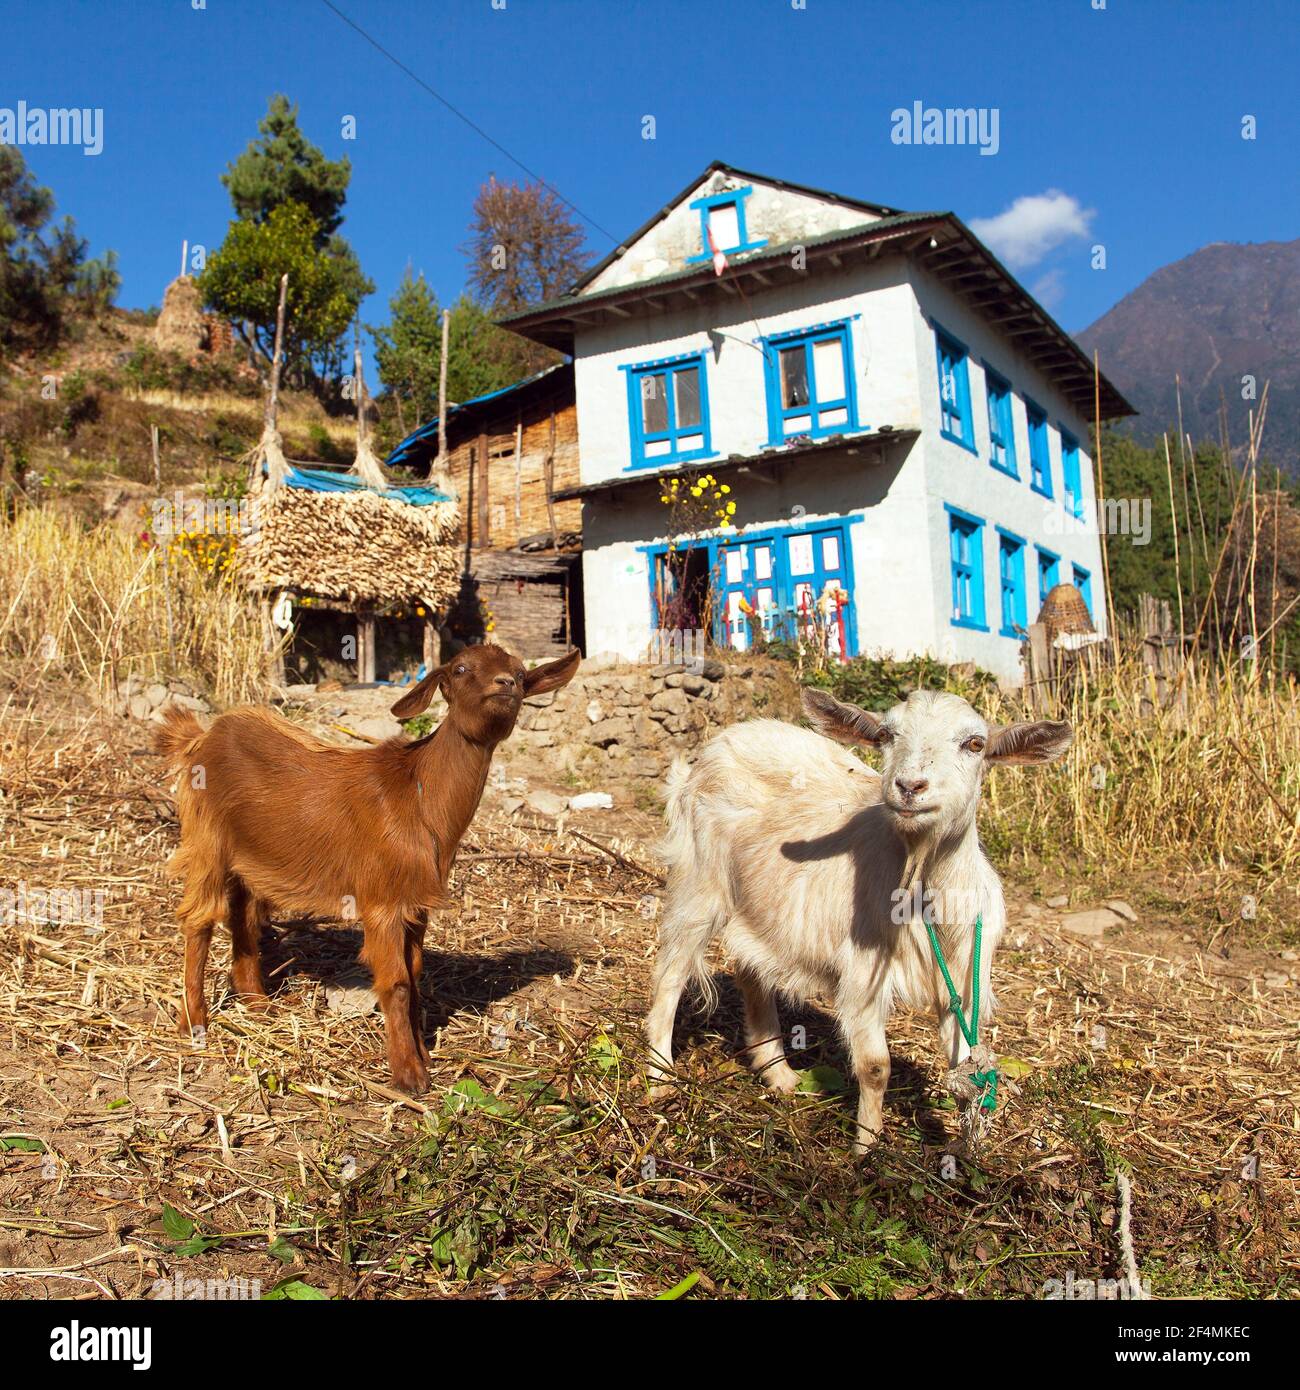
(413, 1079)
(784, 1080)
(192, 1028)
(865, 1142)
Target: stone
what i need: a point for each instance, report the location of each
(1091, 924)
(511, 804)
(674, 681)
(545, 803)
(609, 731)
(645, 765)
(379, 726)
(155, 693)
(595, 711)
(670, 669)
(1061, 900)
(644, 729)
(696, 685)
(669, 701)
(538, 701)
(712, 670)
(1119, 906)
(591, 801)
(138, 706)
(189, 702)
(350, 997)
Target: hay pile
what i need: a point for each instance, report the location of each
(181, 325)
(360, 547)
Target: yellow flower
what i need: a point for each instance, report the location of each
(731, 509)
(726, 487)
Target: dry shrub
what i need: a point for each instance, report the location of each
(1213, 783)
(92, 604)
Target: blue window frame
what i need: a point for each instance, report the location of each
(779, 572)
(1002, 436)
(668, 411)
(1049, 573)
(809, 380)
(966, 537)
(1071, 485)
(1083, 582)
(1011, 576)
(723, 214)
(1040, 456)
(955, 419)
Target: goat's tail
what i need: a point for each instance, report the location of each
(696, 904)
(177, 736)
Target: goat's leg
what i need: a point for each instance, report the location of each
(415, 930)
(672, 971)
(244, 918)
(194, 1007)
(863, 1025)
(386, 954)
(763, 1043)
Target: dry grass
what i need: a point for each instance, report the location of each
(91, 604)
(536, 1167)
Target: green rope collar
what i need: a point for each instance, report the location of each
(987, 1081)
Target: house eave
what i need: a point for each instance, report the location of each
(767, 462)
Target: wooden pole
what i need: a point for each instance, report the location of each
(550, 483)
(442, 391)
(167, 550)
(273, 400)
(1099, 489)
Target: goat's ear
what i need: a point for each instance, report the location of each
(552, 674)
(836, 720)
(416, 700)
(1022, 745)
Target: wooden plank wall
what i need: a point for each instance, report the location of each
(501, 501)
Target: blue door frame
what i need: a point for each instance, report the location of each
(786, 585)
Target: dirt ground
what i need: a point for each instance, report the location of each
(276, 1153)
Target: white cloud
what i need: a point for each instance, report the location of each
(1033, 226)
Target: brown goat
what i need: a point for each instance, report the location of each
(273, 817)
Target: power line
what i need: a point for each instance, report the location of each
(455, 111)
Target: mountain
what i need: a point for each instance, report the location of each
(1224, 312)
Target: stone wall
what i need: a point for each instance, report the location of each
(633, 720)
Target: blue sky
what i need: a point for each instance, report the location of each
(1119, 126)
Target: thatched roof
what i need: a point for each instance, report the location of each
(330, 535)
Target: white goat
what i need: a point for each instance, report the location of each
(807, 863)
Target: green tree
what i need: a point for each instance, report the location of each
(39, 261)
(283, 170)
(285, 167)
(242, 281)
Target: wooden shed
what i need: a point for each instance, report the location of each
(508, 454)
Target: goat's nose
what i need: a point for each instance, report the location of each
(911, 788)
(507, 681)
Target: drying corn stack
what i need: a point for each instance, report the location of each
(1065, 610)
(330, 536)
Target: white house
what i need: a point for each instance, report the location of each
(902, 428)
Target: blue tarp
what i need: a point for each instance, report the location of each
(322, 480)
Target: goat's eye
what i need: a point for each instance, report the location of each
(460, 670)
(974, 744)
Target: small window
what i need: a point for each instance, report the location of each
(810, 383)
(1083, 582)
(722, 221)
(1040, 462)
(669, 411)
(955, 421)
(966, 536)
(1049, 573)
(1071, 487)
(1002, 440)
(1011, 574)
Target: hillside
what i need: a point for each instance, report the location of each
(1225, 312)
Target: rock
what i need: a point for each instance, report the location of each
(712, 670)
(138, 706)
(1276, 979)
(155, 694)
(670, 669)
(591, 801)
(1032, 911)
(380, 726)
(1122, 909)
(511, 804)
(1290, 955)
(669, 702)
(350, 997)
(696, 685)
(1061, 900)
(189, 702)
(537, 701)
(645, 765)
(545, 803)
(595, 711)
(1090, 924)
(609, 731)
(674, 681)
